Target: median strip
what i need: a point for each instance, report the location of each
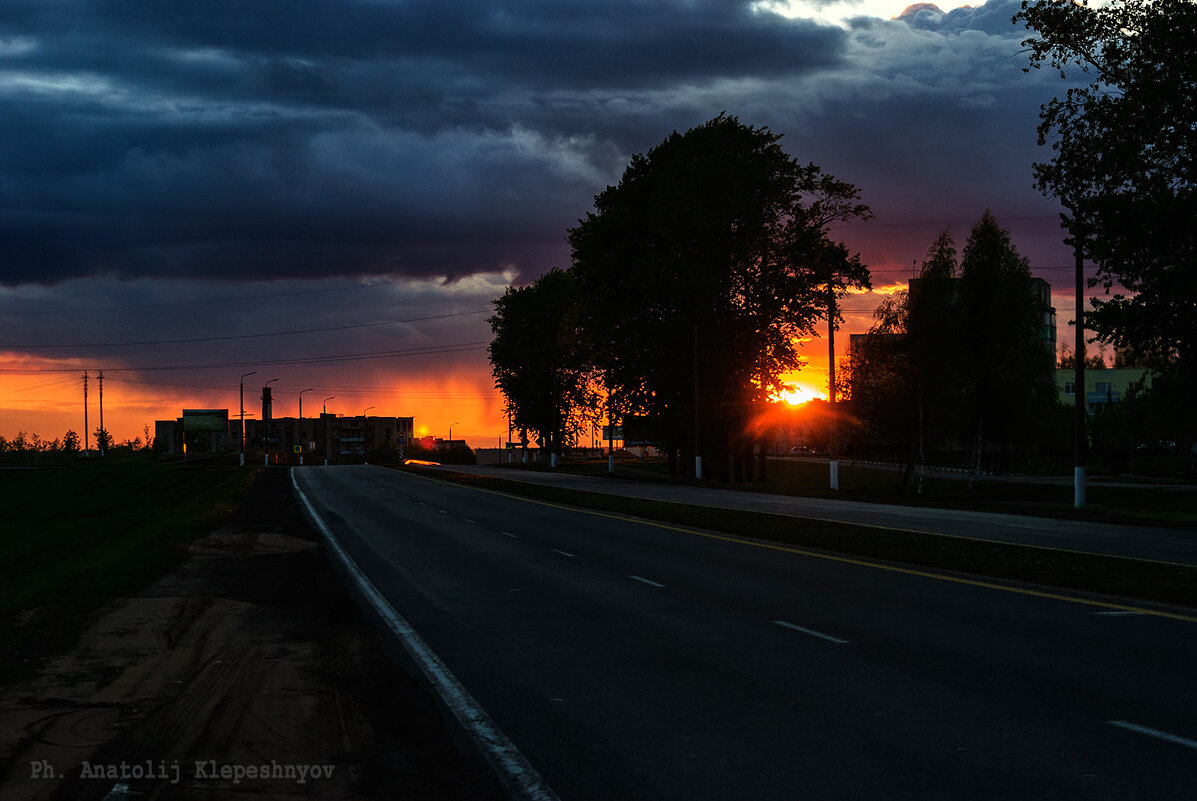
(1112, 575)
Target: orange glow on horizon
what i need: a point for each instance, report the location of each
(49, 404)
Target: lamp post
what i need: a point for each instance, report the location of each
(243, 377)
(455, 422)
(324, 410)
(266, 428)
(309, 389)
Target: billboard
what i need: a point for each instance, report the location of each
(206, 420)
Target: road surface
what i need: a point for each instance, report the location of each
(628, 660)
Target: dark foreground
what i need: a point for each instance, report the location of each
(247, 670)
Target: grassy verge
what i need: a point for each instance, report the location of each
(1111, 575)
(1148, 505)
(75, 538)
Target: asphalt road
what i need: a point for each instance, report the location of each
(633, 661)
(1143, 542)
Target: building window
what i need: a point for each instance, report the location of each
(1069, 387)
(1103, 387)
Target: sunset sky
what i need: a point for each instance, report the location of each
(332, 193)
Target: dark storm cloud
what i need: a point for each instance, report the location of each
(305, 139)
(317, 138)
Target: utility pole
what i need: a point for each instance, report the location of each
(243, 377)
(103, 433)
(832, 462)
(1080, 441)
(301, 440)
(697, 413)
(267, 416)
(86, 436)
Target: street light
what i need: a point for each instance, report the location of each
(309, 389)
(455, 422)
(326, 400)
(243, 377)
(368, 408)
(266, 428)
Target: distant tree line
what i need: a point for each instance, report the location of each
(962, 362)
(691, 283)
(70, 443)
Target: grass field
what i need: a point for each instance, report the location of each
(77, 536)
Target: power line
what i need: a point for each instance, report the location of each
(425, 351)
(230, 337)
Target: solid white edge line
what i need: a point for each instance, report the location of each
(812, 633)
(513, 769)
(1156, 733)
(646, 581)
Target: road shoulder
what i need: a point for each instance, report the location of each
(247, 669)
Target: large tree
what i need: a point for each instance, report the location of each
(538, 360)
(961, 356)
(1123, 144)
(701, 269)
(1007, 365)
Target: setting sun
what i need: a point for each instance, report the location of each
(798, 395)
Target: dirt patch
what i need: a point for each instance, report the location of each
(247, 670)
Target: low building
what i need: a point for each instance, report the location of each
(1104, 387)
(333, 437)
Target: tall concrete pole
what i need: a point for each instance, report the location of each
(103, 433)
(246, 375)
(1080, 440)
(832, 462)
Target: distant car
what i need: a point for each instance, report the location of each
(801, 450)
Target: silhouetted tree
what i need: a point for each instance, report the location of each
(538, 361)
(1007, 370)
(700, 270)
(70, 441)
(959, 357)
(880, 380)
(1123, 165)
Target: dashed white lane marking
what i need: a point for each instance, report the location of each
(1156, 733)
(443, 511)
(643, 580)
(563, 553)
(509, 534)
(467, 520)
(811, 632)
(1120, 613)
